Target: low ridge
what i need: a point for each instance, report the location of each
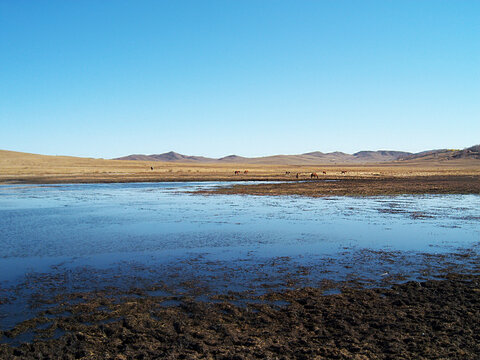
(318, 157)
(315, 157)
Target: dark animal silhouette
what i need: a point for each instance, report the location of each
(313, 175)
(324, 172)
(287, 172)
(245, 172)
(151, 167)
(237, 172)
(344, 172)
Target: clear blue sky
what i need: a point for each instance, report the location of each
(111, 78)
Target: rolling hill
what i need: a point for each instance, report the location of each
(472, 152)
(310, 158)
(318, 157)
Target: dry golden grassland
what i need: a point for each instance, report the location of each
(16, 167)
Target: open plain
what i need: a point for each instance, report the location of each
(456, 176)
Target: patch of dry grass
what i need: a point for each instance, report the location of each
(382, 186)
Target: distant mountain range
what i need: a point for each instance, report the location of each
(318, 157)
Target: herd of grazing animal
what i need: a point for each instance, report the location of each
(313, 175)
(237, 172)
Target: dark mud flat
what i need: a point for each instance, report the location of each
(381, 186)
(435, 319)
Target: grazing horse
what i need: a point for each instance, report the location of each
(237, 172)
(344, 172)
(324, 172)
(313, 175)
(245, 172)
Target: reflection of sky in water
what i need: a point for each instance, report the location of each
(107, 222)
(58, 238)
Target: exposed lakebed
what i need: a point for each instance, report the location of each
(161, 240)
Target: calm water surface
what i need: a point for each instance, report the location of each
(132, 230)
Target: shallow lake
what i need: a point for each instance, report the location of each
(67, 238)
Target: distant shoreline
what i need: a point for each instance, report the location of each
(23, 168)
(346, 186)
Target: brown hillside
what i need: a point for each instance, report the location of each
(16, 167)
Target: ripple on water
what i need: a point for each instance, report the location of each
(74, 238)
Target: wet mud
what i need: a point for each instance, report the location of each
(360, 186)
(277, 315)
(424, 320)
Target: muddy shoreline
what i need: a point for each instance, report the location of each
(360, 303)
(469, 184)
(436, 316)
(424, 320)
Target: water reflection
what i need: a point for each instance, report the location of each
(83, 236)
